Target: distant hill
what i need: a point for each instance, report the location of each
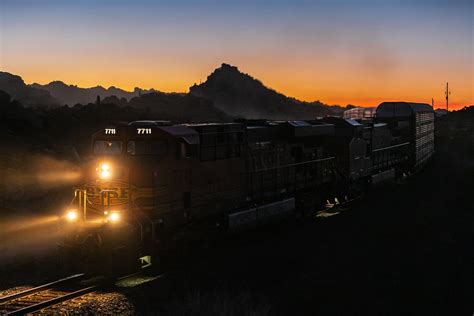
(71, 94)
(26, 95)
(240, 95)
(464, 114)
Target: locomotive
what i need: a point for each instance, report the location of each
(152, 186)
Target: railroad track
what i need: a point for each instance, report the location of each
(46, 295)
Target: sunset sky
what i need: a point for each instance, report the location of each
(339, 52)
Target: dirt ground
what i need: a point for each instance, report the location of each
(405, 249)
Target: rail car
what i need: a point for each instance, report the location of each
(153, 186)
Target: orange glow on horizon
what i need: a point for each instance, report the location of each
(331, 91)
(337, 52)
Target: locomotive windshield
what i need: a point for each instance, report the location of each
(108, 147)
(147, 147)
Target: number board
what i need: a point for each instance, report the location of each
(144, 131)
(109, 131)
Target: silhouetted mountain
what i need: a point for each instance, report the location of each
(241, 95)
(71, 94)
(27, 95)
(226, 94)
(179, 107)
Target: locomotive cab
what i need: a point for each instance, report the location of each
(109, 211)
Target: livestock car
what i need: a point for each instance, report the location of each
(411, 123)
(153, 186)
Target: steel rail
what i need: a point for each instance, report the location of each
(69, 294)
(53, 301)
(47, 286)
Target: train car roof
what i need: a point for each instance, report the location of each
(149, 123)
(341, 122)
(184, 132)
(213, 124)
(299, 123)
(310, 128)
(402, 109)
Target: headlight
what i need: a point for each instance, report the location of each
(113, 217)
(72, 215)
(104, 171)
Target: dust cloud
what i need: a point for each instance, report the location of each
(28, 176)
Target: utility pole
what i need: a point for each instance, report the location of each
(447, 93)
(432, 103)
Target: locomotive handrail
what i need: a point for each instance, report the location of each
(138, 221)
(391, 147)
(93, 194)
(98, 194)
(294, 164)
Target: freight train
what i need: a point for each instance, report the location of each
(153, 186)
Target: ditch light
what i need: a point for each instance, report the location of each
(112, 216)
(72, 215)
